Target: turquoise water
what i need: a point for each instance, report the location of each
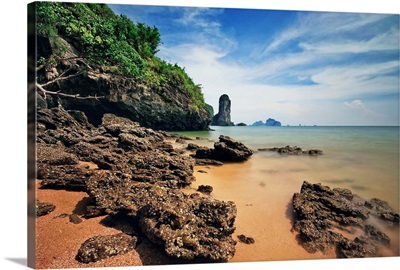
(363, 159)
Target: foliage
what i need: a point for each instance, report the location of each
(114, 41)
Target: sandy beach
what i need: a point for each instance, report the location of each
(264, 212)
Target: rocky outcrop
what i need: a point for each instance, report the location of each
(293, 150)
(227, 149)
(44, 208)
(138, 175)
(160, 107)
(325, 217)
(223, 117)
(186, 226)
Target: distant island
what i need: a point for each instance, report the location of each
(270, 122)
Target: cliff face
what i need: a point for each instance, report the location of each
(160, 107)
(95, 61)
(223, 117)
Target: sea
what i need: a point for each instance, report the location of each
(362, 159)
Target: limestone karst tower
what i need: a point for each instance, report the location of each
(223, 117)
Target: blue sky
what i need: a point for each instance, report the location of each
(323, 68)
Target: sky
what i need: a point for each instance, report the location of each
(298, 67)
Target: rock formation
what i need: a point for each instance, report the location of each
(339, 220)
(293, 150)
(223, 117)
(138, 176)
(272, 123)
(227, 149)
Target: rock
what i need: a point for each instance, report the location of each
(293, 150)
(165, 107)
(44, 208)
(227, 149)
(55, 155)
(100, 247)
(322, 213)
(186, 226)
(73, 218)
(206, 189)
(246, 239)
(241, 124)
(138, 175)
(205, 161)
(68, 177)
(272, 123)
(223, 117)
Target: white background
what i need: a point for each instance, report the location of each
(14, 136)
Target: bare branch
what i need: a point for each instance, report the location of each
(59, 93)
(40, 67)
(63, 78)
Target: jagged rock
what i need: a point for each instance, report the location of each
(320, 210)
(186, 226)
(223, 117)
(100, 247)
(69, 177)
(227, 149)
(293, 150)
(43, 208)
(137, 174)
(206, 189)
(55, 155)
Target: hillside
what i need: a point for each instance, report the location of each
(92, 60)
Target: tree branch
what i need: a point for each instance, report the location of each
(62, 78)
(59, 93)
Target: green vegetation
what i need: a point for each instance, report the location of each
(114, 43)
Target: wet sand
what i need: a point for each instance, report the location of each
(262, 192)
(264, 212)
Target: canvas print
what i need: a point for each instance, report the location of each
(185, 135)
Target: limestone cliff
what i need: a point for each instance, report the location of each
(110, 67)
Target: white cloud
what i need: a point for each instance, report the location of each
(356, 104)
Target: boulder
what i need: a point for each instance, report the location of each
(226, 149)
(321, 214)
(186, 226)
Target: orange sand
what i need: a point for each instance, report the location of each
(264, 213)
(267, 220)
